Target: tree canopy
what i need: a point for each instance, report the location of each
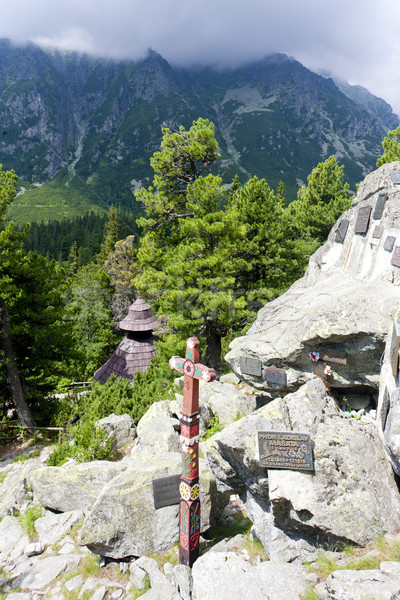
(391, 147)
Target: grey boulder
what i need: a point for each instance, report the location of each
(120, 428)
(376, 584)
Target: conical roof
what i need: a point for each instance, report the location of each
(130, 355)
(139, 317)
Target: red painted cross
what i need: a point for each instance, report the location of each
(189, 510)
(192, 371)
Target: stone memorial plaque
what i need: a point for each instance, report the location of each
(389, 243)
(395, 176)
(285, 450)
(394, 348)
(250, 366)
(341, 231)
(377, 233)
(362, 221)
(319, 369)
(396, 257)
(166, 491)
(379, 206)
(330, 355)
(385, 407)
(274, 375)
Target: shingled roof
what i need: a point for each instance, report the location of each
(136, 350)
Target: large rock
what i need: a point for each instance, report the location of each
(15, 489)
(227, 402)
(221, 575)
(158, 428)
(10, 534)
(123, 521)
(346, 301)
(376, 584)
(52, 526)
(351, 496)
(45, 571)
(120, 428)
(72, 486)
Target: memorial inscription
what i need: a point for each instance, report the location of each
(396, 257)
(285, 450)
(395, 176)
(362, 221)
(377, 233)
(341, 231)
(389, 243)
(274, 375)
(250, 366)
(379, 206)
(394, 348)
(319, 369)
(332, 355)
(166, 491)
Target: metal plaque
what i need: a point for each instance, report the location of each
(396, 257)
(389, 243)
(377, 233)
(341, 231)
(166, 491)
(394, 348)
(395, 175)
(362, 221)
(379, 206)
(285, 450)
(250, 366)
(331, 355)
(385, 408)
(274, 375)
(319, 369)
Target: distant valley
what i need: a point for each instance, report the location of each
(79, 131)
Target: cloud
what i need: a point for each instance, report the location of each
(355, 39)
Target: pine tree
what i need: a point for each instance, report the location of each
(391, 147)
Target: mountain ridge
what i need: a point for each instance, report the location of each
(86, 127)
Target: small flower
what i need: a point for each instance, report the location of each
(191, 450)
(314, 356)
(328, 370)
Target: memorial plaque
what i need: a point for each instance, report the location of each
(341, 231)
(285, 450)
(251, 366)
(275, 375)
(330, 355)
(396, 257)
(362, 221)
(319, 369)
(395, 175)
(394, 348)
(166, 491)
(385, 407)
(377, 233)
(389, 243)
(379, 206)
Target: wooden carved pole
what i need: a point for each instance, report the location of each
(189, 509)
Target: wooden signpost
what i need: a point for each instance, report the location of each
(189, 508)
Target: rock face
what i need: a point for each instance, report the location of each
(345, 303)
(121, 428)
(351, 496)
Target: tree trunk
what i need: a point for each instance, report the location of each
(213, 347)
(24, 414)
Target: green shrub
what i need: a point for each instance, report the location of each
(28, 518)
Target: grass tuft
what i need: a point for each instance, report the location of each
(28, 518)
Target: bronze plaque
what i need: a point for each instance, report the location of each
(396, 257)
(394, 348)
(395, 176)
(274, 375)
(341, 231)
(377, 233)
(285, 450)
(389, 243)
(331, 355)
(379, 206)
(319, 369)
(362, 221)
(166, 491)
(250, 366)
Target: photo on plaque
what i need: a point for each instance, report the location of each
(285, 450)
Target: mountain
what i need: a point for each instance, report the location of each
(79, 131)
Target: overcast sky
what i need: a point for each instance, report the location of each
(358, 40)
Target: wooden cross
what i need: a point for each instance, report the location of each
(189, 507)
